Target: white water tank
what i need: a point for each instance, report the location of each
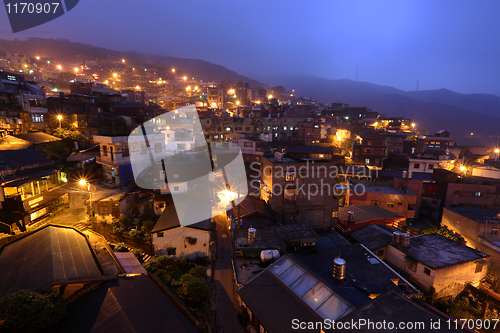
(278, 157)
(269, 255)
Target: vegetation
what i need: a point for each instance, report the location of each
(443, 231)
(29, 311)
(139, 228)
(67, 135)
(188, 280)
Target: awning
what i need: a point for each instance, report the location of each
(29, 177)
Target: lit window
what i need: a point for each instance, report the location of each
(374, 203)
(290, 176)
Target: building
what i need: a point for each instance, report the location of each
(110, 203)
(251, 148)
(36, 141)
(50, 257)
(115, 154)
(437, 143)
(400, 200)
(134, 303)
(170, 238)
(369, 149)
(480, 227)
(375, 237)
(30, 184)
(403, 313)
(352, 217)
(300, 190)
(435, 261)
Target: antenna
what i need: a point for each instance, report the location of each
(417, 88)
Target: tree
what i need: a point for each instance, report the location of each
(198, 271)
(29, 311)
(444, 232)
(194, 290)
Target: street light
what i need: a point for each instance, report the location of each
(413, 125)
(83, 182)
(59, 117)
(173, 70)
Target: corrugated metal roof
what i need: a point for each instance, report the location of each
(51, 255)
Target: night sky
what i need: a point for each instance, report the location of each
(443, 44)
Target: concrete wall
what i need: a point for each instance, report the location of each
(447, 281)
(176, 238)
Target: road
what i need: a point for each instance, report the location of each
(224, 288)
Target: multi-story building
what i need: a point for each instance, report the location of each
(438, 143)
(479, 227)
(300, 190)
(115, 155)
(370, 150)
(30, 183)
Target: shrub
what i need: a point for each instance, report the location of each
(29, 311)
(151, 266)
(164, 261)
(198, 271)
(120, 247)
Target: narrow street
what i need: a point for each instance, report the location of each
(224, 288)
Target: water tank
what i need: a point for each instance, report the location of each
(339, 268)
(350, 217)
(278, 157)
(410, 173)
(405, 174)
(396, 236)
(269, 255)
(251, 235)
(404, 240)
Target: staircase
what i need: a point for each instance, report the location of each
(80, 226)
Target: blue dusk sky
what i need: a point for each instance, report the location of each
(443, 44)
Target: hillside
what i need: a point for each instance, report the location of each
(64, 50)
(433, 110)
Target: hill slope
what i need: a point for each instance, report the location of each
(66, 51)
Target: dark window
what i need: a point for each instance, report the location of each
(125, 151)
(411, 266)
(104, 150)
(380, 252)
(160, 234)
(427, 271)
(171, 251)
(479, 267)
(416, 166)
(374, 203)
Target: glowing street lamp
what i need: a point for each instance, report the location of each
(231, 92)
(59, 67)
(462, 168)
(83, 182)
(76, 69)
(59, 117)
(497, 151)
(185, 78)
(138, 88)
(115, 75)
(413, 125)
(237, 102)
(37, 58)
(173, 70)
(123, 60)
(270, 97)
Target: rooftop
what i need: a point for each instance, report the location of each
(436, 251)
(285, 291)
(366, 275)
(49, 256)
(478, 214)
(395, 308)
(37, 138)
(266, 238)
(13, 159)
(373, 236)
(169, 219)
(366, 213)
(128, 304)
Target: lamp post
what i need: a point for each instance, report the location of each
(59, 117)
(84, 182)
